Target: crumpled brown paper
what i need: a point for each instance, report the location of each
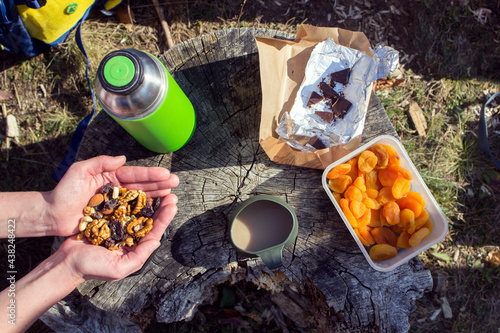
(282, 70)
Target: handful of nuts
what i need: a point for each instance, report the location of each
(116, 217)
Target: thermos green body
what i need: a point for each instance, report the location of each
(163, 121)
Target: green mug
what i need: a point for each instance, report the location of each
(262, 226)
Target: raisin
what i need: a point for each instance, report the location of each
(117, 230)
(96, 215)
(110, 204)
(147, 211)
(109, 243)
(156, 203)
(108, 187)
(99, 206)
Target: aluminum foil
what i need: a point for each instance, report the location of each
(301, 123)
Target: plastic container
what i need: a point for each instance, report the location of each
(417, 184)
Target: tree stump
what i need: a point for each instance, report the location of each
(325, 282)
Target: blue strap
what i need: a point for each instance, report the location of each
(483, 131)
(82, 126)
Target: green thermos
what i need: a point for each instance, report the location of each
(136, 90)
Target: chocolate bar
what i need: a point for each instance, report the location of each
(341, 76)
(316, 143)
(314, 99)
(325, 115)
(341, 107)
(328, 91)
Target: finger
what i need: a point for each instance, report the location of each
(136, 174)
(155, 189)
(100, 164)
(166, 213)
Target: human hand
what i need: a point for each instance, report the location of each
(83, 179)
(85, 261)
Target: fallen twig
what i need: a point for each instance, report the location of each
(164, 24)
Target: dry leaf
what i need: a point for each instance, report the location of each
(4, 95)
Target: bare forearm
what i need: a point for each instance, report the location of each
(27, 211)
(27, 299)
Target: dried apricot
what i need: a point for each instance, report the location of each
(391, 213)
(371, 193)
(357, 208)
(353, 193)
(402, 172)
(364, 220)
(387, 176)
(337, 196)
(403, 239)
(353, 162)
(385, 195)
(340, 184)
(382, 155)
(367, 161)
(381, 252)
(339, 170)
(371, 180)
(344, 204)
(416, 196)
(383, 221)
(400, 187)
(429, 225)
(383, 235)
(410, 203)
(394, 159)
(359, 182)
(361, 238)
(420, 221)
(397, 228)
(374, 218)
(365, 232)
(370, 203)
(418, 236)
(407, 219)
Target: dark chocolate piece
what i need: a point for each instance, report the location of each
(341, 76)
(328, 91)
(316, 143)
(325, 115)
(314, 99)
(341, 107)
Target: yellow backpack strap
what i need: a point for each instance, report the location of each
(111, 4)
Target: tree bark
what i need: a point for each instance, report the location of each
(325, 282)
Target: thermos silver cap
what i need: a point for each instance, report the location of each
(130, 84)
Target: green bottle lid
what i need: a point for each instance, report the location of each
(119, 71)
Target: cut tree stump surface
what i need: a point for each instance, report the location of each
(325, 282)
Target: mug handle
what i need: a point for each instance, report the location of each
(272, 258)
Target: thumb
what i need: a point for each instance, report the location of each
(100, 164)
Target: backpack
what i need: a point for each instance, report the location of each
(30, 27)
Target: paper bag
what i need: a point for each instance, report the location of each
(282, 70)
